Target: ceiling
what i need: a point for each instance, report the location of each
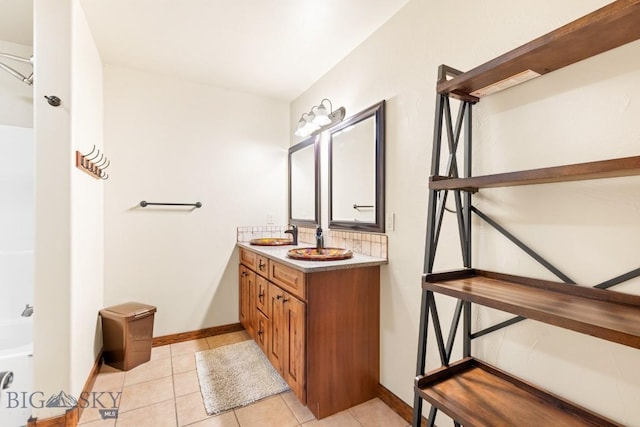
(274, 48)
(16, 21)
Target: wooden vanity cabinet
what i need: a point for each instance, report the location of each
(320, 330)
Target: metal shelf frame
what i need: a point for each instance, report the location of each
(449, 132)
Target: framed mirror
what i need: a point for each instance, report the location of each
(356, 172)
(304, 183)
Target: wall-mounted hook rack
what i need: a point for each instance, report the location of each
(93, 163)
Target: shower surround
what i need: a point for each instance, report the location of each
(17, 209)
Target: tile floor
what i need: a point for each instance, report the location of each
(165, 392)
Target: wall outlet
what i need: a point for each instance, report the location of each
(390, 223)
(269, 219)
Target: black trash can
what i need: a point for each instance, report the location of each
(127, 331)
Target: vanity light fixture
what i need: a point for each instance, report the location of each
(319, 118)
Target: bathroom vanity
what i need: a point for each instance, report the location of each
(318, 322)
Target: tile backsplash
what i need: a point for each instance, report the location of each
(364, 243)
(245, 234)
(370, 244)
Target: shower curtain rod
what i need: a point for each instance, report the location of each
(15, 73)
(16, 58)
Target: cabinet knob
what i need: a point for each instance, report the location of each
(285, 299)
(261, 265)
(278, 296)
(245, 274)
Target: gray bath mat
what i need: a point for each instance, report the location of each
(236, 375)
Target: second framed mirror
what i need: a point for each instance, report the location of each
(356, 172)
(304, 183)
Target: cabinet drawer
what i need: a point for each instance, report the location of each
(262, 265)
(248, 258)
(287, 278)
(262, 295)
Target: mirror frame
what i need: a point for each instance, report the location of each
(314, 140)
(378, 111)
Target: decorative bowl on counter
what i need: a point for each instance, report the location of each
(271, 241)
(324, 254)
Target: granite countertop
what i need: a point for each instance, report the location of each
(279, 254)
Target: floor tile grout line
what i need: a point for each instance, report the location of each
(146, 381)
(175, 398)
(286, 405)
(173, 384)
(291, 410)
(236, 417)
(144, 406)
(349, 410)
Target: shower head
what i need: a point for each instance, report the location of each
(14, 72)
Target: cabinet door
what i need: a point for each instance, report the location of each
(262, 295)
(244, 296)
(253, 311)
(262, 331)
(294, 369)
(247, 299)
(276, 339)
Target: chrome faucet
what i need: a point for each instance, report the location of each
(28, 311)
(319, 239)
(294, 233)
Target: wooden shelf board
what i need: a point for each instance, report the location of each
(605, 314)
(613, 168)
(476, 394)
(611, 26)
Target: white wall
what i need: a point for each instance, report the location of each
(87, 224)
(17, 210)
(175, 141)
(52, 327)
(16, 98)
(586, 112)
(68, 245)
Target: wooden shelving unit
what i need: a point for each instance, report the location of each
(469, 391)
(614, 168)
(477, 394)
(607, 28)
(609, 315)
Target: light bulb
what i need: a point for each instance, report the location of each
(301, 130)
(321, 117)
